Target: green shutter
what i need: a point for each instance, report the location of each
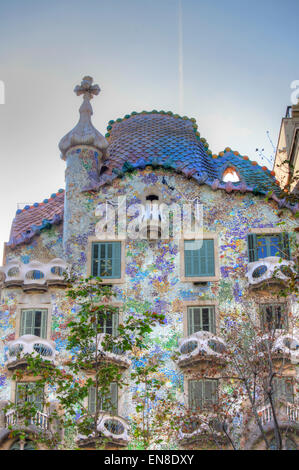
(286, 246)
(23, 395)
(199, 262)
(196, 321)
(115, 323)
(28, 323)
(190, 319)
(114, 398)
(95, 259)
(92, 400)
(195, 394)
(252, 247)
(44, 319)
(116, 259)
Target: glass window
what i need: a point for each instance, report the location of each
(283, 389)
(274, 316)
(201, 318)
(199, 258)
(25, 392)
(108, 322)
(263, 246)
(107, 402)
(106, 260)
(34, 322)
(202, 393)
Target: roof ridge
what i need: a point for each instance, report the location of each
(37, 204)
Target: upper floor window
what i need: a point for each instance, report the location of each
(202, 393)
(28, 392)
(274, 316)
(34, 322)
(107, 402)
(107, 322)
(199, 258)
(283, 387)
(106, 260)
(201, 318)
(263, 245)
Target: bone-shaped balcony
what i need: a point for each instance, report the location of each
(201, 346)
(272, 269)
(34, 275)
(282, 345)
(19, 349)
(108, 350)
(112, 429)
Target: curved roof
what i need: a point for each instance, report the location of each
(32, 219)
(170, 141)
(156, 139)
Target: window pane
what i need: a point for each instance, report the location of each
(201, 318)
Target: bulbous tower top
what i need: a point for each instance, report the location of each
(84, 133)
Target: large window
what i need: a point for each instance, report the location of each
(34, 322)
(106, 260)
(28, 392)
(274, 316)
(283, 388)
(262, 246)
(108, 402)
(202, 393)
(107, 322)
(201, 318)
(199, 258)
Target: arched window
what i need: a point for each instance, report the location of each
(230, 174)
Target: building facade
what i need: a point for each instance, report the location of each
(152, 157)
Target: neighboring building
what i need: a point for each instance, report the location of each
(286, 164)
(147, 156)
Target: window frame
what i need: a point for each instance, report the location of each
(206, 278)
(252, 243)
(262, 308)
(204, 406)
(44, 319)
(110, 409)
(211, 314)
(107, 280)
(26, 384)
(40, 305)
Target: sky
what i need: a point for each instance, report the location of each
(229, 64)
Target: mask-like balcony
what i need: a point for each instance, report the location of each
(283, 345)
(152, 222)
(113, 429)
(34, 275)
(116, 355)
(195, 428)
(25, 345)
(199, 347)
(271, 270)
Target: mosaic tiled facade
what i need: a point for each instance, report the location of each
(144, 151)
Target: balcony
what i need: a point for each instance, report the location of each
(199, 347)
(283, 346)
(199, 427)
(34, 275)
(111, 428)
(287, 415)
(116, 356)
(152, 222)
(40, 420)
(271, 269)
(25, 345)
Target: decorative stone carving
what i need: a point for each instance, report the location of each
(29, 344)
(34, 273)
(201, 345)
(84, 133)
(269, 269)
